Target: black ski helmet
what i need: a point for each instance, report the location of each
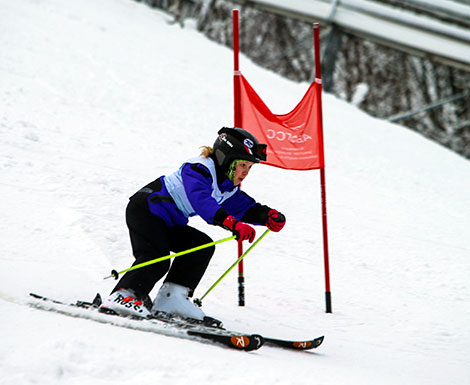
(237, 143)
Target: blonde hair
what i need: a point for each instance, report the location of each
(206, 151)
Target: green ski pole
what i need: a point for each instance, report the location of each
(198, 301)
(115, 273)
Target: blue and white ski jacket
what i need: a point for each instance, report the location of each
(194, 190)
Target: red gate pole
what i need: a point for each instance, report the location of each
(316, 42)
(238, 122)
(236, 70)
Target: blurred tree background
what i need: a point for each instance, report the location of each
(424, 95)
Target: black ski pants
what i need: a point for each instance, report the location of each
(152, 238)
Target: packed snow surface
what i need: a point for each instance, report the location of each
(98, 98)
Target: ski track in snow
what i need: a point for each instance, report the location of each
(99, 98)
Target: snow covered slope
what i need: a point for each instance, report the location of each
(99, 98)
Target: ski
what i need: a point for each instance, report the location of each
(172, 326)
(168, 326)
(237, 341)
(295, 345)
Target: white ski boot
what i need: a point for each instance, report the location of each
(173, 299)
(124, 302)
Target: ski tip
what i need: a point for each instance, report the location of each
(295, 345)
(306, 345)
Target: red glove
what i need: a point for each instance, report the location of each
(276, 220)
(240, 229)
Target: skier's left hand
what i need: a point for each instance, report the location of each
(276, 220)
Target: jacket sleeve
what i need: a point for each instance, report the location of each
(246, 209)
(256, 214)
(197, 182)
(238, 204)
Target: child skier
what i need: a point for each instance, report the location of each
(157, 217)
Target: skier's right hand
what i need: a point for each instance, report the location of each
(239, 229)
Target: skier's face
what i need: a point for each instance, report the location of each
(241, 172)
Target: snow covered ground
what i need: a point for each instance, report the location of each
(97, 98)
